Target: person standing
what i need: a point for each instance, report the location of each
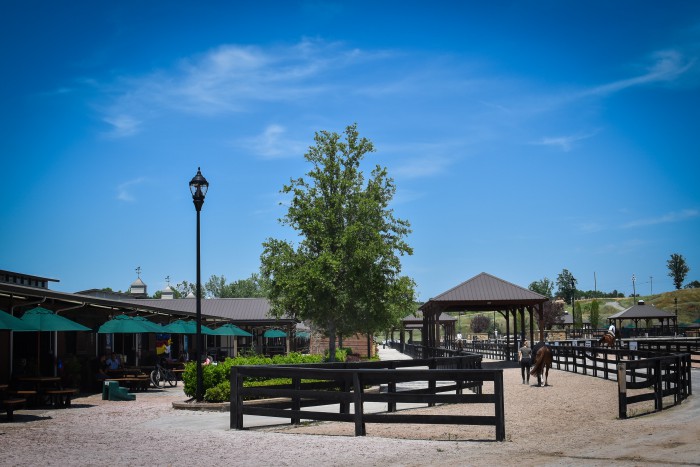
(524, 357)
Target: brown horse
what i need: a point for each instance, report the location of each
(543, 362)
(608, 339)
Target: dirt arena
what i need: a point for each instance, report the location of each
(571, 422)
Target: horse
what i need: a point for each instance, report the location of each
(543, 362)
(609, 339)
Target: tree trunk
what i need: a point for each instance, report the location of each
(331, 342)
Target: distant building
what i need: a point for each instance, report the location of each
(10, 277)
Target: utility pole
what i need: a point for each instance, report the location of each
(634, 290)
(651, 285)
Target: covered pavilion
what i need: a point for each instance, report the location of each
(642, 312)
(483, 292)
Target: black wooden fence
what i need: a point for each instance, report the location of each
(446, 378)
(655, 374)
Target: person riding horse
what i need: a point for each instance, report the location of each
(609, 337)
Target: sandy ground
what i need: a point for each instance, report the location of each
(571, 422)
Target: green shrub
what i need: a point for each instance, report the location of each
(215, 378)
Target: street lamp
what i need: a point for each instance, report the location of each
(198, 187)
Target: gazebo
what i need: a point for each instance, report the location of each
(484, 292)
(415, 322)
(641, 311)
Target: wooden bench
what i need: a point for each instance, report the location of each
(60, 397)
(26, 394)
(10, 405)
(178, 374)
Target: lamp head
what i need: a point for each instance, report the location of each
(198, 188)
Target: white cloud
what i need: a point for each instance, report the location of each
(565, 143)
(124, 190)
(122, 125)
(667, 66)
(232, 78)
(273, 144)
(670, 217)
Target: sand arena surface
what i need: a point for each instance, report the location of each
(572, 422)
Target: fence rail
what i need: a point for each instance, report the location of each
(346, 386)
(652, 374)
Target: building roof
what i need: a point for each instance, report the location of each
(484, 292)
(252, 311)
(642, 311)
(246, 310)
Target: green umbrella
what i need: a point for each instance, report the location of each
(271, 333)
(182, 326)
(46, 320)
(127, 325)
(155, 327)
(9, 322)
(230, 330)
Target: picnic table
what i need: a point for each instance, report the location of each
(44, 389)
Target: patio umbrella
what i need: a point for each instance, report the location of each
(182, 326)
(230, 330)
(127, 325)
(272, 333)
(9, 322)
(46, 320)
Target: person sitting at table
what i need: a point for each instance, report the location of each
(113, 362)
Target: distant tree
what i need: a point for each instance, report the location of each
(678, 269)
(553, 313)
(480, 323)
(567, 285)
(185, 288)
(578, 316)
(692, 285)
(543, 287)
(253, 287)
(595, 314)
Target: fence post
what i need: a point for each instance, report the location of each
(359, 416)
(432, 384)
(296, 401)
(499, 406)
(658, 386)
(622, 389)
(391, 389)
(236, 400)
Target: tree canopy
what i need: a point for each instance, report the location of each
(677, 269)
(566, 282)
(543, 287)
(253, 287)
(344, 275)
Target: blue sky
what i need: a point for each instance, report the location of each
(523, 137)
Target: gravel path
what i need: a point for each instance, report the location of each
(571, 422)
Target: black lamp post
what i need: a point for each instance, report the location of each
(573, 303)
(199, 187)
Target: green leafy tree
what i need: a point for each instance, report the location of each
(344, 275)
(677, 269)
(594, 316)
(543, 287)
(567, 285)
(185, 288)
(578, 316)
(252, 287)
(692, 285)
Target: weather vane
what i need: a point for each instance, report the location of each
(167, 280)
(138, 272)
